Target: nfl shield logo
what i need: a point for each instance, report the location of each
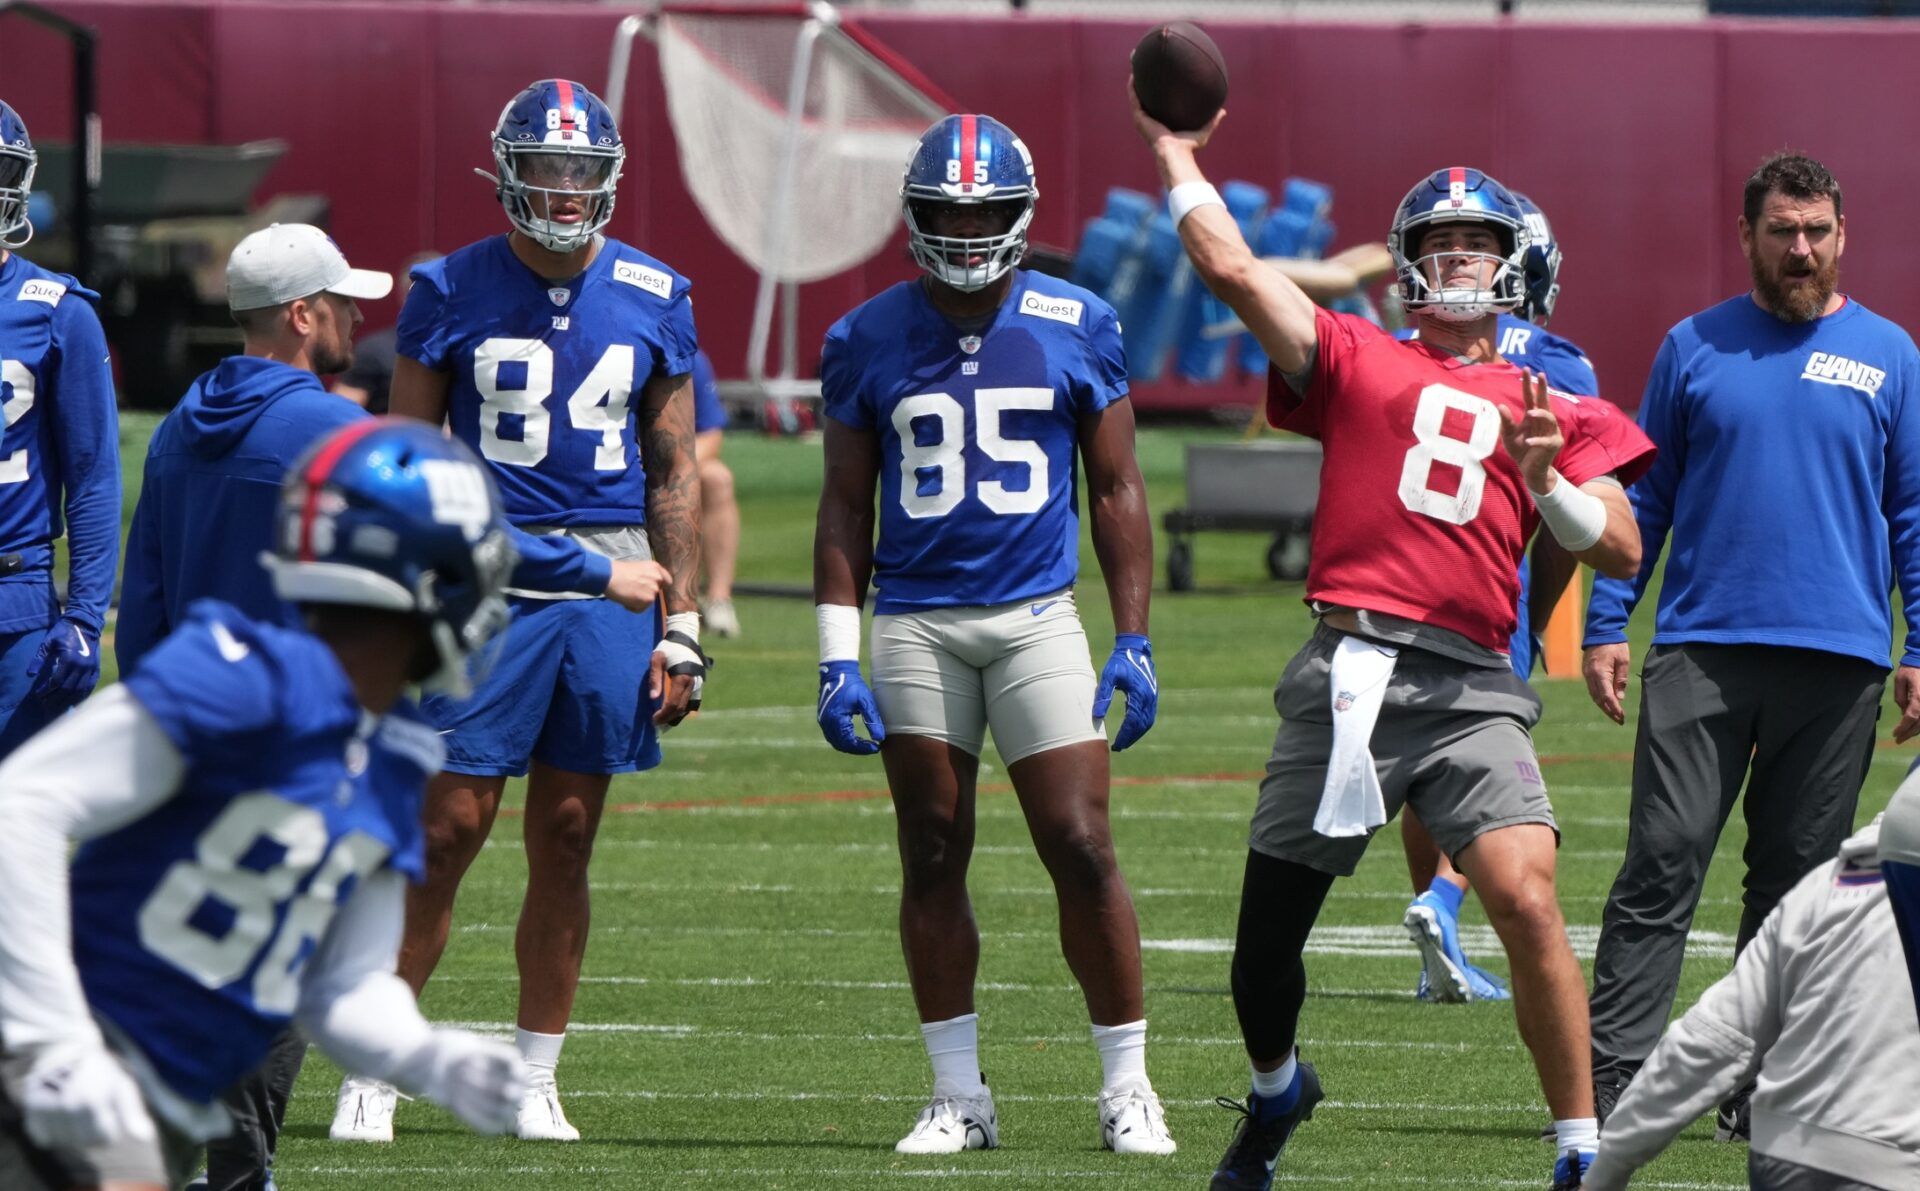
(970, 344)
(558, 295)
(1343, 701)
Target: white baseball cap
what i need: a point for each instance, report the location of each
(284, 261)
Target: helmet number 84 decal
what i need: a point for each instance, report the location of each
(1434, 447)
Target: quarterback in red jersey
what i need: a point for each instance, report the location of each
(1441, 460)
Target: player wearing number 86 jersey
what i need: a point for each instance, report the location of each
(248, 811)
(970, 397)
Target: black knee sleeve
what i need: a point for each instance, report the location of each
(1279, 901)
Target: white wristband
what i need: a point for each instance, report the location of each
(839, 632)
(683, 622)
(1575, 518)
(1187, 197)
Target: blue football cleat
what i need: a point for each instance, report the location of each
(1446, 977)
(1248, 1163)
(1570, 1168)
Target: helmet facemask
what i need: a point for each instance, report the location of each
(1421, 277)
(16, 182)
(534, 177)
(967, 263)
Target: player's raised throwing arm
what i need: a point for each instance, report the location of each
(1273, 308)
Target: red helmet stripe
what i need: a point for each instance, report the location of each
(319, 471)
(969, 134)
(566, 104)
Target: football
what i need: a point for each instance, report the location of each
(1179, 75)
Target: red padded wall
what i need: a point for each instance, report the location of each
(1635, 139)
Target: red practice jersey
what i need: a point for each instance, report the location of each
(1422, 513)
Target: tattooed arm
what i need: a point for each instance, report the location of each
(673, 508)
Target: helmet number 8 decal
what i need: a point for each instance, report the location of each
(946, 454)
(599, 403)
(1436, 448)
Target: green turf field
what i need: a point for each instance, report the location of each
(745, 1021)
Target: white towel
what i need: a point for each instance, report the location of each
(1351, 803)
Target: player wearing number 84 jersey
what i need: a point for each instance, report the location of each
(564, 359)
(970, 397)
(1441, 460)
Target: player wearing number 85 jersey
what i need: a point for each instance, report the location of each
(1440, 462)
(248, 811)
(563, 358)
(969, 397)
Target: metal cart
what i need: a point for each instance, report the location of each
(1258, 487)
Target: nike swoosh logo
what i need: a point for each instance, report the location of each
(230, 648)
(1037, 609)
(84, 651)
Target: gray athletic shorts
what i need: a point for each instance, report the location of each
(1451, 740)
(1022, 669)
(167, 1159)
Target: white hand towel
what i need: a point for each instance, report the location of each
(1351, 803)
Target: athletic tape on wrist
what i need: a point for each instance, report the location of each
(839, 632)
(1575, 518)
(1188, 197)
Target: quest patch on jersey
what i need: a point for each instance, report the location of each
(653, 281)
(1060, 310)
(41, 290)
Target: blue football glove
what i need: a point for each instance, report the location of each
(67, 666)
(1129, 670)
(843, 695)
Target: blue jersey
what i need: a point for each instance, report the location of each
(708, 413)
(546, 376)
(978, 436)
(60, 445)
(1789, 477)
(192, 924)
(1527, 345)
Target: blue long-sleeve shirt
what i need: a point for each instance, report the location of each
(59, 450)
(212, 489)
(1788, 479)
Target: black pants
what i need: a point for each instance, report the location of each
(1797, 725)
(243, 1159)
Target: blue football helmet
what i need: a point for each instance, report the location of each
(1543, 263)
(1452, 196)
(390, 513)
(17, 160)
(968, 161)
(556, 142)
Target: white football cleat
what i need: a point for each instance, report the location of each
(541, 1117)
(364, 1111)
(950, 1124)
(1132, 1122)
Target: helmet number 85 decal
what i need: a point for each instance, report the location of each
(979, 172)
(1435, 448)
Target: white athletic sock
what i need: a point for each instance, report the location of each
(1123, 1055)
(1576, 1133)
(954, 1048)
(540, 1051)
(1269, 1084)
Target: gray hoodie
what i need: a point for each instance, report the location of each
(1820, 1008)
